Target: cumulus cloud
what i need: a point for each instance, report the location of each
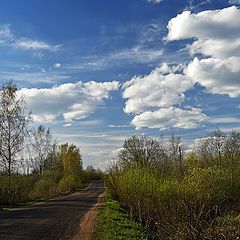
(217, 76)
(70, 101)
(218, 24)
(171, 117)
(216, 36)
(163, 87)
(217, 48)
(152, 97)
(211, 30)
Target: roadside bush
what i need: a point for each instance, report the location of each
(45, 187)
(173, 208)
(4, 190)
(19, 190)
(68, 184)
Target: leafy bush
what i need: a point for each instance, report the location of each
(19, 188)
(68, 184)
(43, 188)
(173, 208)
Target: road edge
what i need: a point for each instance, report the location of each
(88, 222)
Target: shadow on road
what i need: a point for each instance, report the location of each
(56, 219)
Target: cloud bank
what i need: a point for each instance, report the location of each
(155, 99)
(70, 101)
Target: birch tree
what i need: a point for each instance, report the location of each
(13, 128)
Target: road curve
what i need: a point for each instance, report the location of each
(56, 219)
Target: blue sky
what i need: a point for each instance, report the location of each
(97, 72)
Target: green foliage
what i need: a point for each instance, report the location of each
(197, 197)
(90, 174)
(174, 209)
(44, 188)
(113, 223)
(208, 184)
(31, 163)
(68, 184)
(62, 175)
(19, 189)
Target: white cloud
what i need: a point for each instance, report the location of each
(144, 51)
(7, 38)
(223, 119)
(196, 4)
(118, 126)
(137, 54)
(33, 76)
(70, 101)
(47, 118)
(35, 45)
(5, 34)
(217, 48)
(219, 24)
(217, 76)
(234, 1)
(67, 125)
(166, 118)
(163, 87)
(154, 1)
(115, 152)
(152, 98)
(57, 65)
(212, 31)
(124, 56)
(216, 35)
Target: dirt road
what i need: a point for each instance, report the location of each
(57, 219)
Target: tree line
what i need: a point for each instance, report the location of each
(180, 193)
(32, 164)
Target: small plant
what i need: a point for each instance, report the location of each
(67, 184)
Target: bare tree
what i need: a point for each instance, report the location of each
(141, 150)
(43, 147)
(218, 141)
(232, 152)
(176, 150)
(13, 127)
(211, 149)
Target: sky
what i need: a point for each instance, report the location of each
(97, 72)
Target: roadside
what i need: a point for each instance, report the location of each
(113, 223)
(88, 222)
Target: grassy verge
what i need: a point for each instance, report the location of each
(114, 223)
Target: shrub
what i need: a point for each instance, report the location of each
(68, 184)
(19, 190)
(45, 187)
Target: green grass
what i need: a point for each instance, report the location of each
(114, 223)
